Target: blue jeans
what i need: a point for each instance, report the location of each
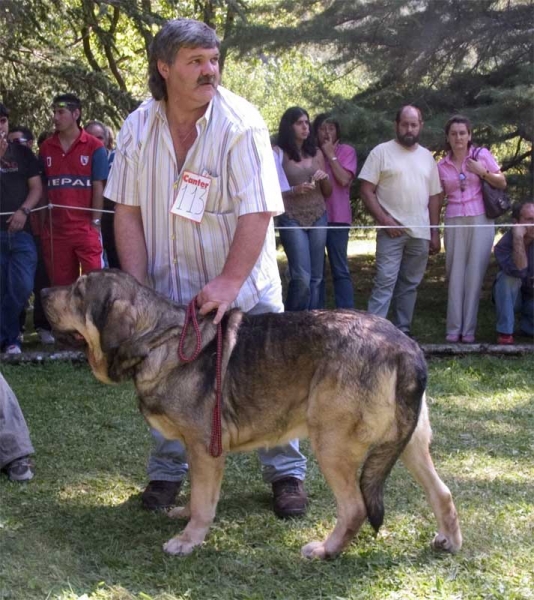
(18, 259)
(509, 299)
(304, 248)
(337, 241)
(400, 266)
(168, 460)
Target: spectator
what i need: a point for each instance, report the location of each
(20, 191)
(401, 189)
(24, 135)
(513, 289)
(101, 132)
(341, 168)
(217, 247)
(21, 135)
(110, 146)
(468, 239)
(75, 168)
(15, 443)
(305, 217)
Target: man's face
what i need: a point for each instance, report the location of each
(192, 78)
(17, 137)
(527, 218)
(64, 118)
(4, 126)
(327, 133)
(409, 127)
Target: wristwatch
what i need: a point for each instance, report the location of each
(25, 210)
(96, 222)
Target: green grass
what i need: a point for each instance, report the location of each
(77, 530)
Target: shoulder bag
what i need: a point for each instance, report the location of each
(496, 201)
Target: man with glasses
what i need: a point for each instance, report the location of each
(21, 135)
(75, 168)
(20, 191)
(401, 189)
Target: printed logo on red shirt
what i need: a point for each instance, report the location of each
(84, 160)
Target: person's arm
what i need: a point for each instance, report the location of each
(343, 176)
(492, 174)
(322, 176)
(130, 241)
(97, 200)
(368, 194)
(520, 252)
(245, 250)
(18, 219)
(434, 211)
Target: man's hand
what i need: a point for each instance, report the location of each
(518, 232)
(389, 221)
(217, 295)
(435, 242)
(16, 221)
(3, 144)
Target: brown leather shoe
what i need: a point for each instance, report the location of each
(159, 495)
(289, 498)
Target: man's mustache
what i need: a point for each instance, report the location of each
(206, 79)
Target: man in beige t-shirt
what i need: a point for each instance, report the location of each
(401, 189)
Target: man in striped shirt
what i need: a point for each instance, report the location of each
(195, 184)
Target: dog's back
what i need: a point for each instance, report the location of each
(344, 378)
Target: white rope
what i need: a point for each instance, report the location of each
(353, 227)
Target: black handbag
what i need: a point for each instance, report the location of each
(496, 201)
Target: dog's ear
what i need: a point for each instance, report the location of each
(115, 321)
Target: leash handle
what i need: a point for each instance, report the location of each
(216, 425)
(190, 317)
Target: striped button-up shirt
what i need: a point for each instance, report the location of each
(232, 149)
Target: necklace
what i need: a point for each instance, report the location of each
(183, 139)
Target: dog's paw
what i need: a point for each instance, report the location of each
(179, 546)
(314, 550)
(443, 543)
(179, 512)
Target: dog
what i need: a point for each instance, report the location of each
(351, 382)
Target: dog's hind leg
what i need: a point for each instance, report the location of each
(418, 461)
(340, 464)
(206, 474)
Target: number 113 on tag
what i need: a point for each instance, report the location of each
(191, 198)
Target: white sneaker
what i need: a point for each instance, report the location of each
(45, 336)
(13, 349)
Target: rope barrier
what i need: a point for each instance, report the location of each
(336, 227)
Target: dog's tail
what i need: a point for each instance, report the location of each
(375, 471)
(409, 392)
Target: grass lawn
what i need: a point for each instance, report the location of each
(77, 530)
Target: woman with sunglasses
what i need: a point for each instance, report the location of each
(469, 234)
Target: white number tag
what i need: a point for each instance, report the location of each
(191, 198)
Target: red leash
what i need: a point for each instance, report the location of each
(216, 427)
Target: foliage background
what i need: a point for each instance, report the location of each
(361, 59)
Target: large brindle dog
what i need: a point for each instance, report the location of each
(351, 382)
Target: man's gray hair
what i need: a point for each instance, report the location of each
(176, 34)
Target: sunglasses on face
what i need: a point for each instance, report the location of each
(462, 177)
(20, 141)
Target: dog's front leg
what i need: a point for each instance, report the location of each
(205, 473)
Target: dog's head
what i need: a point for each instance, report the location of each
(99, 312)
